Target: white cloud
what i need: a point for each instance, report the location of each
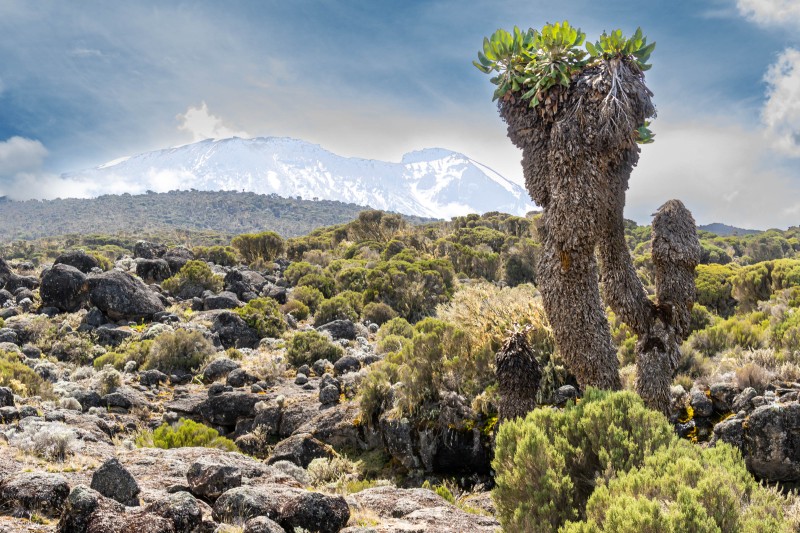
(719, 170)
(85, 52)
(19, 154)
(771, 12)
(203, 125)
(781, 112)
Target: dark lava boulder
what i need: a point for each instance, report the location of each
(233, 331)
(78, 259)
(122, 297)
(772, 442)
(148, 250)
(153, 270)
(112, 480)
(88, 511)
(15, 282)
(6, 397)
(340, 329)
(5, 272)
(208, 479)
(227, 408)
(300, 449)
(223, 300)
(290, 507)
(34, 492)
(177, 257)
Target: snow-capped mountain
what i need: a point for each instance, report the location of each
(430, 183)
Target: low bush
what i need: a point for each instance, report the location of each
(337, 308)
(296, 308)
(219, 255)
(73, 348)
(546, 464)
(185, 433)
(264, 246)
(744, 331)
(325, 470)
(264, 316)
(391, 343)
(21, 379)
(396, 326)
(52, 441)
(181, 350)
(322, 282)
(108, 379)
(378, 313)
(137, 351)
(610, 464)
(299, 269)
(309, 296)
(192, 280)
(306, 347)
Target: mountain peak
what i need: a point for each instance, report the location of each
(428, 154)
(432, 182)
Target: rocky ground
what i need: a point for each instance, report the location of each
(70, 462)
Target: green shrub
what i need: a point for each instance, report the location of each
(355, 299)
(306, 347)
(375, 390)
(310, 296)
(74, 348)
(714, 288)
(700, 318)
(610, 464)
(683, 487)
(298, 270)
(192, 279)
(393, 248)
(396, 326)
(137, 351)
(264, 316)
(105, 263)
(546, 464)
(410, 285)
(352, 279)
(185, 433)
(296, 308)
(786, 333)
(743, 331)
(21, 379)
(336, 308)
(265, 246)
(219, 255)
(322, 282)
(378, 313)
(391, 343)
(179, 350)
(109, 379)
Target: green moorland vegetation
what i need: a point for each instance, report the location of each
(192, 213)
(447, 293)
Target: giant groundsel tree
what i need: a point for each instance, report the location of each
(578, 114)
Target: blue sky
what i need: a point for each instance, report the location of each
(82, 83)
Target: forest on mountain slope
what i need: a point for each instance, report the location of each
(225, 212)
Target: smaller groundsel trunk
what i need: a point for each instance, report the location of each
(518, 375)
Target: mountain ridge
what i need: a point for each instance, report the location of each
(431, 182)
(219, 211)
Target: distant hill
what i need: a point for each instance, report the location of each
(221, 212)
(723, 230)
